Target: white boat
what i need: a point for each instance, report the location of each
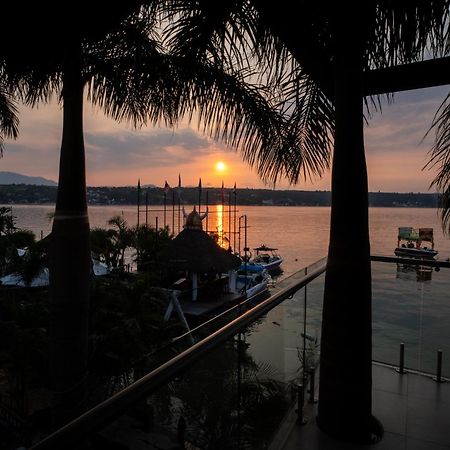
(410, 242)
(267, 257)
(251, 280)
(42, 278)
(14, 279)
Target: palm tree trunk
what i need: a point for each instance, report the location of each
(345, 401)
(70, 257)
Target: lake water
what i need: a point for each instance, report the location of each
(408, 307)
(300, 233)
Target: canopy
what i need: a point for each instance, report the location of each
(408, 233)
(264, 248)
(196, 251)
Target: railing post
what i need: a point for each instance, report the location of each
(401, 368)
(300, 400)
(438, 377)
(312, 384)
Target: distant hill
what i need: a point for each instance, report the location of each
(17, 178)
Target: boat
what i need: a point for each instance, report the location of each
(42, 278)
(410, 242)
(251, 280)
(267, 257)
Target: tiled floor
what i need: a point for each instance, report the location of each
(414, 409)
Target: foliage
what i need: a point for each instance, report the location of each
(127, 323)
(31, 263)
(243, 413)
(109, 245)
(440, 159)
(102, 246)
(20, 241)
(7, 224)
(23, 345)
(149, 243)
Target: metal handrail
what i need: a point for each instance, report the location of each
(412, 261)
(105, 412)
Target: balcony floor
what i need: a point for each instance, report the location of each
(414, 410)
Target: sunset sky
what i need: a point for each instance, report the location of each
(117, 155)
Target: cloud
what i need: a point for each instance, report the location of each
(158, 148)
(397, 144)
(118, 155)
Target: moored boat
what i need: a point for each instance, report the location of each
(410, 242)
(267, 257)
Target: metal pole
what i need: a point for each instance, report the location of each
(229, 220)
(312, 384)
(165, 206)
(138, 201)
(173, 212)
(304, 334)
(146, 207)
(199, 195)
(179, 211)
(438, 377)
(245, 251)
(234, 222)
(300, 400)
(239, 248)
(207, 215)
(401, 368)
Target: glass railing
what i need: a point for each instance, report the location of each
(411, 306)
(233, 382)
(228, 384)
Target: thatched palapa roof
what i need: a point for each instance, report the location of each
(194, 250)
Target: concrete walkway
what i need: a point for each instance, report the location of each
(414, 409)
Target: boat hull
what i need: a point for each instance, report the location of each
(415, 252)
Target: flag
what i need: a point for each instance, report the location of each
(179, 182)
(139, 183)
(234, 189)
(166, 187)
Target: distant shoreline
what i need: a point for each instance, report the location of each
(169, 207)
(22, 194)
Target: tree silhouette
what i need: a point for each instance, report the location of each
(115, 55)
(337, 60)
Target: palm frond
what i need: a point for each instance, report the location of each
(9, 120)
(402, 32)
(134, 79)
(440, 159)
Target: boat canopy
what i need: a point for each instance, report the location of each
(412, 234)
(264, 248)
(426, 234)
(408, 233)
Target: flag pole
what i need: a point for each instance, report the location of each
(165, 205)
(146, 207)
(229, 219)
(207, 203)
(179, 201)
(234, 221)
(199, 195)
(222, 199)
(173, 212)
(138, 199)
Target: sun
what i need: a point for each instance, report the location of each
(220, 167)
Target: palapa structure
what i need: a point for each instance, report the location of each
(195, 252)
